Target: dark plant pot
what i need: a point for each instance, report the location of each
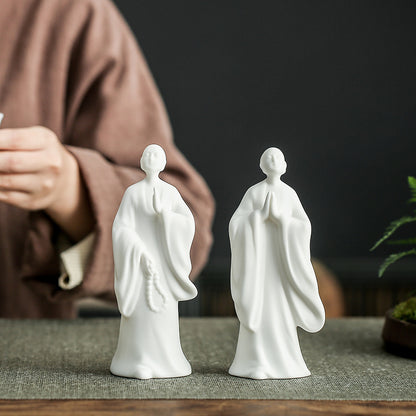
(399, 336)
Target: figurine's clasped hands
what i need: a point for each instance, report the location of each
(265, 210)
(270, 209)
(275, 213)
(157, 205)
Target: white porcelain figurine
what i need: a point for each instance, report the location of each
(273, 284)
(152, 235)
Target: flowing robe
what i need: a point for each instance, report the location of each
(273, 284)
(149, 344)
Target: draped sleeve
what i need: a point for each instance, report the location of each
(302, 287)
(127, 251)
(247, 286)
(178, 230)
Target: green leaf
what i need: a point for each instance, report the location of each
(392, 259)
(394, 225)
(404, 242)
(412, 185)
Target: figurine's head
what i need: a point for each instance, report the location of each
(272, 162)
(153, 159)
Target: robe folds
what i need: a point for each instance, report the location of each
(273, 284)
(149, 344)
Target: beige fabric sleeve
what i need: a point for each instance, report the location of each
(73, 262)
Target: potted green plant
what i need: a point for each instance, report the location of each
(399, 331)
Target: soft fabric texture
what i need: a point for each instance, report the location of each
(74, 261)
(75, 68)
(71, 359)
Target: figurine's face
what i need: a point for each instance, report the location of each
(273, 162)
(153, 159)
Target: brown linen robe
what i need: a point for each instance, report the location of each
(74, 66)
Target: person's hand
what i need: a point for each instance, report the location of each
(35, 169)
(38, 173)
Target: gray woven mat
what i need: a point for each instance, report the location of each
(70, 359)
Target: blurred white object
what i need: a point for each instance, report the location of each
(273, 284)
(152, 236)
(1, 117)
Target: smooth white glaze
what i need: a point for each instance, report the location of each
(273, 284)
(152, 236)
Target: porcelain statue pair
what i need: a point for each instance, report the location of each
(273, 284)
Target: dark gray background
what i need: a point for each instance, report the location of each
(332, 83)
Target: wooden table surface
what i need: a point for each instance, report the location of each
(204, 407)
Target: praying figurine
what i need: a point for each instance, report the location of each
(152, 236)
(273, 284)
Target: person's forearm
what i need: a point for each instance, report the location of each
(72, 211)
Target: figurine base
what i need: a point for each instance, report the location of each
(145, 373)
(258, 374)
